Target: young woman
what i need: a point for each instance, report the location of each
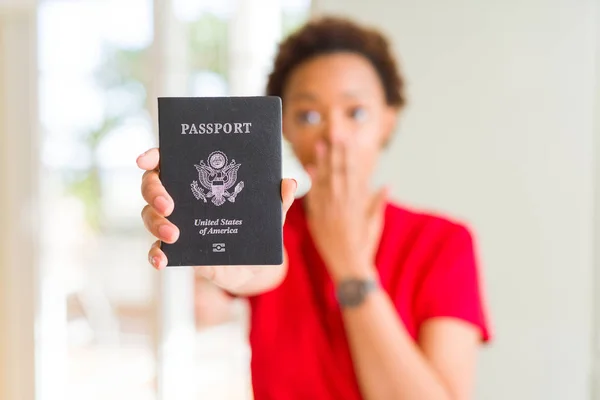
(374, 300)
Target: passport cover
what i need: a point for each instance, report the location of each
(220, 160)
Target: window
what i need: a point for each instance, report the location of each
(107, 317)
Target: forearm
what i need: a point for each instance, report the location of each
(387, 362)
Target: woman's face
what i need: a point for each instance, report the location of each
(336, 98)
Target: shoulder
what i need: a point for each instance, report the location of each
(432, 230)
(440, 265)
(421, 246)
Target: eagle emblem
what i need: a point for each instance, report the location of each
(217, 176)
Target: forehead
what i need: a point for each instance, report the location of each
(333, 76)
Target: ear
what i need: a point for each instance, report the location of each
(390, 120)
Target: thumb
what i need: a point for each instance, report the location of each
(376, 219)
(378, 202)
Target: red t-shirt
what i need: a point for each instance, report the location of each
(426, 264)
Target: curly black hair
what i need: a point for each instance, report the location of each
(327, 35)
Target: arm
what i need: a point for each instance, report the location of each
(389, 365)
(347, 226)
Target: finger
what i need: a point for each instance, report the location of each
(149, 160)
(288, 191)
(358, 152)
(156, 256)
(159, 226)
(311, 170)
(316, 193)
(349, 158)
(321, 165)
(155, 194)
(317, 173)
(336, 159)
(336, 167)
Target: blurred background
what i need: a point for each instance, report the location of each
(502, 130)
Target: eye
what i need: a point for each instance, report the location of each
(358, 113)
(309, 117)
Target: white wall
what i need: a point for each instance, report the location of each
(500, 131)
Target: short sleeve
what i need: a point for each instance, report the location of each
(452, 286)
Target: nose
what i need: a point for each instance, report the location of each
(334, 130)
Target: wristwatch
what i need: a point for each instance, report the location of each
(352, 292)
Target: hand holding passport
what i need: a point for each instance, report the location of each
(215, 194)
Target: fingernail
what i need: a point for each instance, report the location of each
(142, 155)
(296, 183)
(155, 262)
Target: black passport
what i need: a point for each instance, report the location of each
(220, 160)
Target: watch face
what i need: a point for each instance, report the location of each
(351, 292)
